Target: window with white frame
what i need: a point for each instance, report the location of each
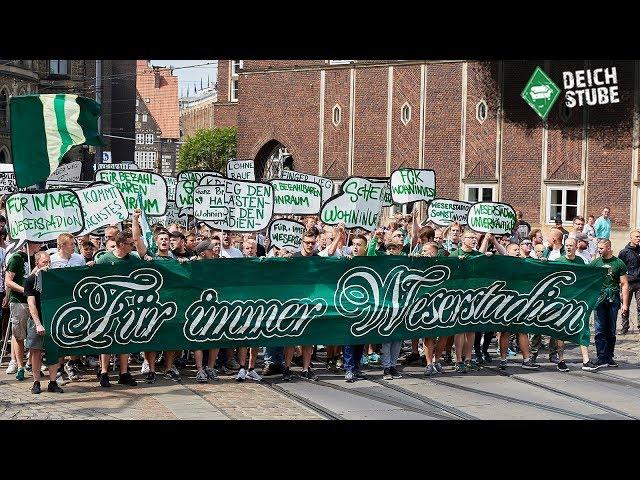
(405, 113)
(234, 90)
(236, 65)
(479, 193)
(144, 117)
(481, 111)
(563, 202)
(337, 115)
(340, 62)
(59, 67)
(140, 138)
(149, 138)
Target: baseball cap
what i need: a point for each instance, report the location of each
(202, 246)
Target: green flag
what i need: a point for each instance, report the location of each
(147, 234)
(43, 130)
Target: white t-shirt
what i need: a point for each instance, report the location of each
(584, 255)
(76, 260)
(231, 252)
(554, 255)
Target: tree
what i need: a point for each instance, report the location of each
(208, 149)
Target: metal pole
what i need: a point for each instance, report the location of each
(98, 157)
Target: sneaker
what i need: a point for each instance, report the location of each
(349, 377)
(461, 368)
(562, 366)
(309, 375)
(242, 374)
(386, 375)
(233, 364)
(448, 360)
(430, 370)
(36, 388)
(503, 364)
(612, 363)
(253, 375)
(226, 371)
(487, 357)
(145, 368)
(437, 367)
(529, 364)
(554, 358)
(589, 366)
(20, 374)
(374, 358)
(359, 375)
(286, 374)
(479, 359)
(600, 364)
(104, 380)
(71, 371)
(211, 373)
(472, 365)
(60, 379)
(53, 387)
(172, 374)
(411, 358)
(331, 365)
(511, 353)
(271, 369)
(12, 368)
(28, 367)
(201, 376)
(395, 373)
(127, 379)
(151, 377)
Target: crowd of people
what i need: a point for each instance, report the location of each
(587, 243)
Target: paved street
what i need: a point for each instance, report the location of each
(489, 394)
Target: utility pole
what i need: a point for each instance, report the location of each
(98, 157)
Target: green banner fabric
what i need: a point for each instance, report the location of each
(204, 304)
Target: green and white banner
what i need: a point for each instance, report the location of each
(44, 128)
(302, 301)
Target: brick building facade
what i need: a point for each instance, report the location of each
(157, 119)
(19, 77)
(464, 119)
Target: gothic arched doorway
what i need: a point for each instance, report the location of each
(271, 159)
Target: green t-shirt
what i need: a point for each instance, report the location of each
(461, 253)
(18, 264)
(616, 267)
(110, 259)
(577, 260)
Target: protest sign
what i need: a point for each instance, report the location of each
(310, 301)
(240, 170)
(325, 183)
(188, 180)
(171, 216)
(171, 188)
(444, 212)
(68, 172)
(69, 185)
(294, 197)
(285, 233)
(492, 217)
(152, 186)
(102, 205)
(357, 205)
(118, 166)
(412, 185)
(234, 205)
(7, 179)
(44, 215)
(387, 201)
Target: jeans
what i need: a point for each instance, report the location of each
(352, 355)
(274, 355)
(390, 353)
(634, 287)
(605, 327)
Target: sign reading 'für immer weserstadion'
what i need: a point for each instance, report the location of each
(308, 301)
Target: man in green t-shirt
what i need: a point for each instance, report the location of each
(609, 303)
(17, 270)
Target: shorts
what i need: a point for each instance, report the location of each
(19, 313)
(34, 341)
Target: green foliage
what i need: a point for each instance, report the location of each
(208, 149)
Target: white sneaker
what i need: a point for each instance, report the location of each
(145, 368)
(70, 371)
(253, 375)
(201, 376)
(233, 364)
(211, 373)
(60, 380)
(242, 374)
(174, 369)
(12, 368)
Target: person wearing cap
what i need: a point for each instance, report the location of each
(582, 247)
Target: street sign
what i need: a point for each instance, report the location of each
(540, 93)
(106, 157)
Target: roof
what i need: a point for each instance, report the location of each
(160, 86)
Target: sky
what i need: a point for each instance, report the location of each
(191, 76)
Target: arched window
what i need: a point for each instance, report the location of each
(481, 111)
(405, 113)
(5, 156)
(336, 115)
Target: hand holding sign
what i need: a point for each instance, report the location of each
(286, 234)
